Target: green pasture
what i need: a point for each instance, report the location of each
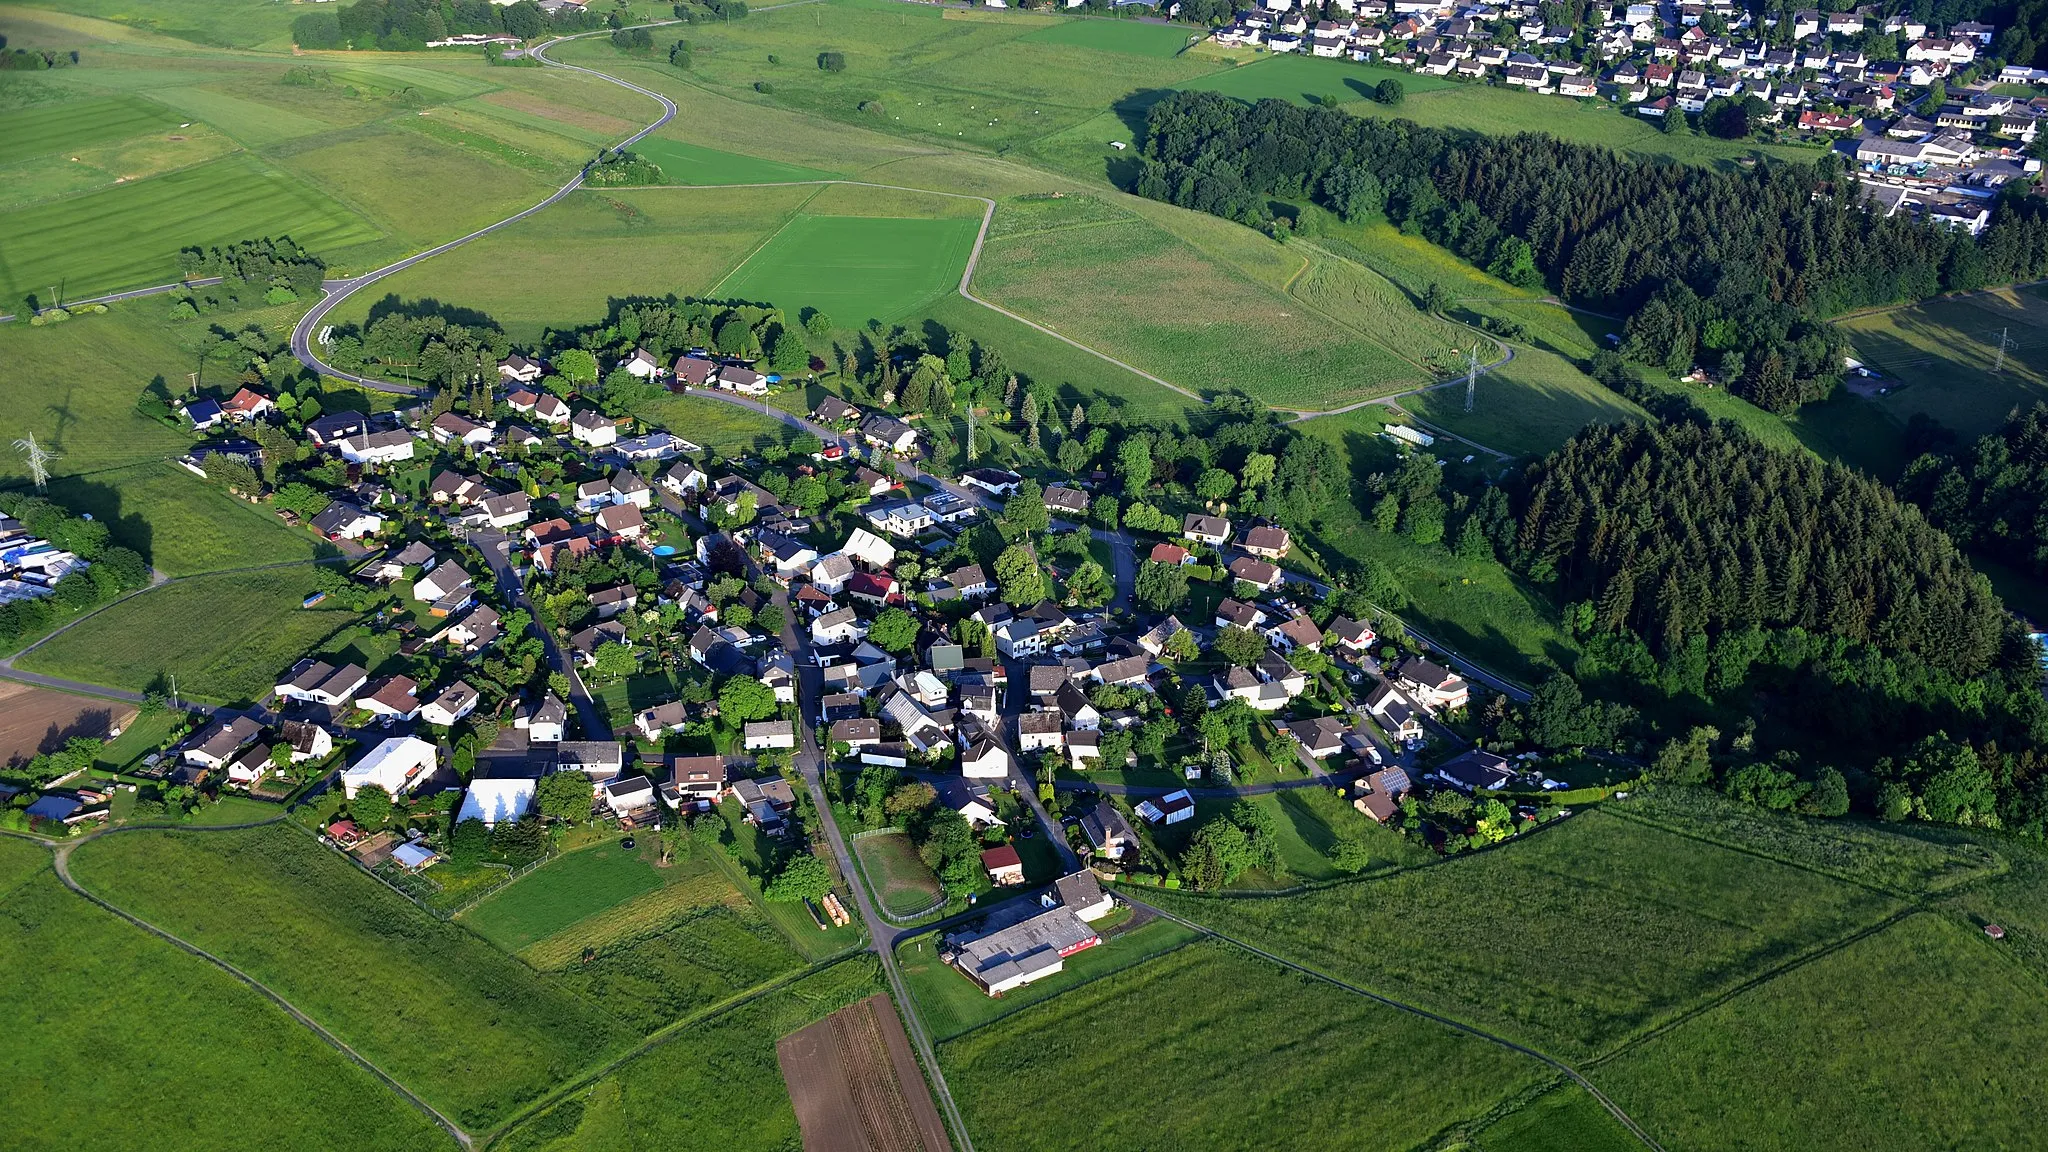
(1080, 375)
(1209, 1046)
(1125, 36)
(1940, 359)
(1840, 1054)
(694, 164)
(181, 524)
(468, 1028)
(1564, 1119)
(724, 1065)
(66, 242)
(255, 123)
(855, 268)
(563, 891)
(726, 429)
(80, 124)
(224, 637)
(1526, 407)
(703, 956)
(1592, 896)
(901, 881)
(212, 23)
(82, 380)
(109, 1000)
(1310, 80)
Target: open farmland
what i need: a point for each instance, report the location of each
(79, 124)
(1309, 80)
(1593, 894)
(64, 241)
(554, 897)
(109, 999)
(856, 1085)
(1282, 1061)
(1162, 41)
(1564, 1119)
(34, 720)
(855, 268)
(901, 881)
(471, 1030)
(696, 956)
(1834, 1055)
(695, 164)
(725, 1066)
(224, 637)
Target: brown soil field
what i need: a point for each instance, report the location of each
(36, 720)
(850, 1076)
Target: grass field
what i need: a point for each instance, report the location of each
(1127, 36)
(951, 1005)
(111, 1000)
(179, 522)
(1590, 896)
(225, 637)
(723, 1066)
(726, 429)
(855, 268)
(80, 124)
(1938, 357)
(685, 163)
(901, 881)
(554, 897)
(1527, 407)
(236, 23)
(1310, 80)
(1564, 1119)
(468, 1028)
(65, 242)
(1503, 111)
(1279, 1061)
(75, 405)
(1827, 1057)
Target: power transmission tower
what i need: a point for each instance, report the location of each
(1471, 376)
(39, 459)
(2003, 344)
(971, 454)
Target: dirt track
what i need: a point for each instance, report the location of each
(850, 1077)
(36, 720)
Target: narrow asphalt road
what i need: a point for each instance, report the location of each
(62, 862)
(496, 547)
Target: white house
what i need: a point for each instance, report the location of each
(492, 801)
(641, 364)
(769, 734)
(447, 709)
(594, 428)
(392, 765)
(869, 549)
(837, 627)
(376, 447)
(984, 759)
(444, 580)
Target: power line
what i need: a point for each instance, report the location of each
(39, 459)
(1471, 376)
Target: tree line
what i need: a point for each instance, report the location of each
(408, 25)
(1992, 498)
(1733, 270)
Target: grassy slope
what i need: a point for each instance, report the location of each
(1592, 895)
(224, 637)
(466, 1027)
(855, 268)
(1279, 1062)
(97, 997)
(554, 897)
(182, 524)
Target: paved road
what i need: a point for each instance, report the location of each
(131, 294)
(62, 862)
(496, 547)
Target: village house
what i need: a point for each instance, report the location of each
(1431, 684)
(1004, 867)
(594, 428)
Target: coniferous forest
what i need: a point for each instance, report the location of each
(1737, 271)
(1992, 498)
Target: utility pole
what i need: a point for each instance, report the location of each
(39, 459)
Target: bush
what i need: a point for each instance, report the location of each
(764, 87)
(832, 61)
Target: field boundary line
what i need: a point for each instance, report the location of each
(1469, 1029)
(61, 862)
(1702, 838)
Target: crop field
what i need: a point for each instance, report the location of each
(1593, 895)
(472, 188)
(855, 268)
(1564, 1119)
(1198, 1069)
(228, 23)
(900, 879)
(1504, 111)
(592, 247)
(468, 1028)
(1310, 80)
(80, 124)
(1167, 306)
(36, 720)
(1527, 407)
(1937, 358)
(701, 956)
(111, 1000)
(695, 164)
(724, 1066)
(952, 1006)
(225, 637)
(180, 523)
(857, 1086)
(64, 242)
(252, 122)
(556, 895)
(1831, 1056)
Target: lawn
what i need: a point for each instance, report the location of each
(1504, 111)
(570, 888)
(224, 637)
(181, 524)
(1310, 80)
(726, 429)
(951, 1005)
(1209, 1047)
(66, 242)
(471, 1030)
(1560, 967)
(1937, 358)
(80, 124)
(1838, 1054)
(902, 883)
(685, 163)
(855, 268)
(108, 1008)
(723, 1066)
